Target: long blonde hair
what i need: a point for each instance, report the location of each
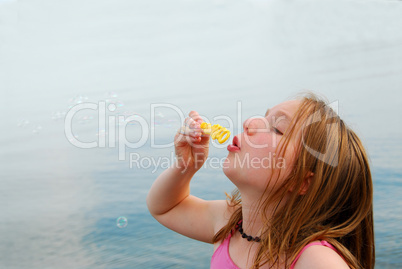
(338, 205)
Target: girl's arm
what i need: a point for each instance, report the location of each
(169, 200)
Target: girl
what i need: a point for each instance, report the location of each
(314, 210)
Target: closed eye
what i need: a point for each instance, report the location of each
(277, 131)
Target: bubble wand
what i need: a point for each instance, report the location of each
(216, 131)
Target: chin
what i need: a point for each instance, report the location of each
(226, 167)
(229, 170)
(234, 174)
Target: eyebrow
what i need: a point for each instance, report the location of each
(280, 113)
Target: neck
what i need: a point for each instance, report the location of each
(253, 223)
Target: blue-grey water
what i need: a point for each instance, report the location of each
(59, 203)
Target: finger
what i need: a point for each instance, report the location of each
(193, 113)
(192, 132)
(182, 141)
(196, 117)
(192, 124)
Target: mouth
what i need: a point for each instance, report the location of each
(235, 146)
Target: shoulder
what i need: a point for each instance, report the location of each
(320, 257)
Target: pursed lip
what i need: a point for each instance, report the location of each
(236, 142)
(234, 147)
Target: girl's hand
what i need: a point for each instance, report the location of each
(191, 144)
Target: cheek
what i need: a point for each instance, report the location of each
(257, 166)
(287, 159)
(245, 166)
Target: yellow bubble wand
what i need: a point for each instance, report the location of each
(216, 131)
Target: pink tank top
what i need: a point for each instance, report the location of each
(221, 258)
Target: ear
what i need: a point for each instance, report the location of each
(306, 183)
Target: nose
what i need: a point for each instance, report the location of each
(255, 125)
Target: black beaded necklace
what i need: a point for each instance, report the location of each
(244, 235)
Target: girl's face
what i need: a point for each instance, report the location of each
(253, 156)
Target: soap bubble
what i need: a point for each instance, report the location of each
(78, 100)
(85, 119)
(121, 121)
(57, 115)
(37, 129)
(114, 104)
(111, 94)
(171, 122)
(111, 98)
(121, 222)
(119, 103)
(159, 115)
(23, 123)
(73, 139)
(163, 121)
(126, 114)
(101, 133)
(111, 107)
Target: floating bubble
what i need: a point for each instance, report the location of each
(73, 139)
(167, 123)
(121, 222)
(114, 103)
(23, 123)
(101, 133)
(111, 107)
(111, 94)
(159, 115)
(127, 114)
(133, 122)
(123, 121)
(78, 99)
(37, 129)
(58, 115)
(119, 103)
(120, 121)
(85, 119)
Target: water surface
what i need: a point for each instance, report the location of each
(60, 203)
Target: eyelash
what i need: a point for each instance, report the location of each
(277, 131)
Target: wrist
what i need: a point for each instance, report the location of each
(183, 168)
